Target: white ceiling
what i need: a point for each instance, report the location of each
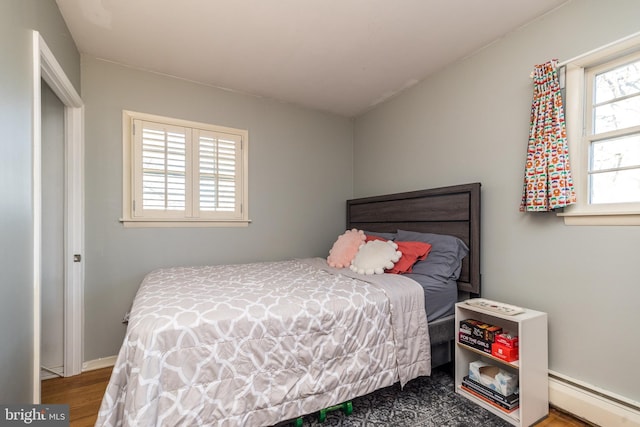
(341, 56)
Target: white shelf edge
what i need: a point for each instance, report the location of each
(525, 315)
(514, 364)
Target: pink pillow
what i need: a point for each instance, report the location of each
(345, 248)
(412, 252)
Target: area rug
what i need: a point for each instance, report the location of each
(425, 401)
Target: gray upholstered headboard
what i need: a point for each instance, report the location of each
(451, 210)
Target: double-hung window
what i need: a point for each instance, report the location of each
(603, 125)
(182, 173)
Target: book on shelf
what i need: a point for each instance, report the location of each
(499, 405)
(491, 393)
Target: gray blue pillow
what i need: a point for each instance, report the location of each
(444, 262)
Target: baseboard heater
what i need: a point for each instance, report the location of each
(592, 404)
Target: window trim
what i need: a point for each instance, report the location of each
(130, 219)
(582, 212)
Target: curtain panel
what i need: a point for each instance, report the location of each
(547, 178)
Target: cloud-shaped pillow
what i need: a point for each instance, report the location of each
(345, 248)
(374, 256)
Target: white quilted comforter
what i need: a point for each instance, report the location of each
(255, 344)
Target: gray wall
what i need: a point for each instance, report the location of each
(17, 19)
(300, 174)
(470, 123)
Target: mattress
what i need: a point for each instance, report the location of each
(440, 297)
(256, 344)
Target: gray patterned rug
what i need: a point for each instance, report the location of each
(425, 401)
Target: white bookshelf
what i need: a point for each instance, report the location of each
(531, 367)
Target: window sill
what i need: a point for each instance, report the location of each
(600, 218)
(180, 223)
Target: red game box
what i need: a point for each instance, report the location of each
(503, 352)
(507, 340)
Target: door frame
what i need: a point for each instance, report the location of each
(47, 68)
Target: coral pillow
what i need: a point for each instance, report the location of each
(371, 237)
(345, 248)
(412, 252)
(386, 236)
(373, 257)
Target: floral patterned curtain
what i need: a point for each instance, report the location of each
(547, 178)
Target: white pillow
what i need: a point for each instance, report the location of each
(374, 256)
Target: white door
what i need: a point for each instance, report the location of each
(53, 234)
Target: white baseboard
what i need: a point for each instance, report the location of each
(50, 373)
(591, 404)
(103, 362)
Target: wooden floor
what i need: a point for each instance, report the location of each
(83, 393)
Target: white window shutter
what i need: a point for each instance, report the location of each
(219, 167)
(161, 169)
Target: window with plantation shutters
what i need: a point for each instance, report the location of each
(180, 173)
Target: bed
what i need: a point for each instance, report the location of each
(260, 343)
(451, 211)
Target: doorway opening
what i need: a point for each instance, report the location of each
(53, 229)
(46, 68)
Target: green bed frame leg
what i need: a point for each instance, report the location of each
(346, 407)
(298, 422)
